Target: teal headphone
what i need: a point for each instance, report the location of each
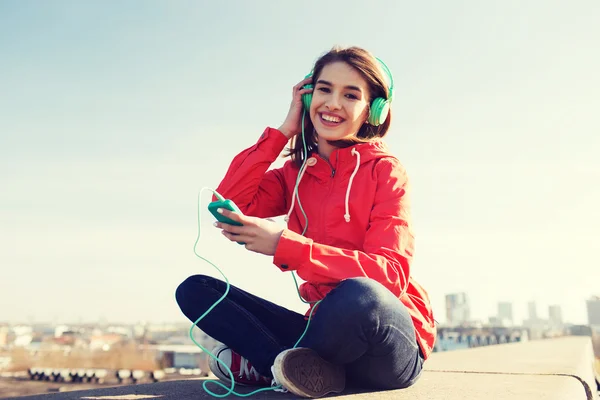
(380, 107)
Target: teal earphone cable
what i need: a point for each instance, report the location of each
(303, 213)
(230, 390)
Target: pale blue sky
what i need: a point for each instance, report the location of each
(114, 113)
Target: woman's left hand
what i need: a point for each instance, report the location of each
(260, 235)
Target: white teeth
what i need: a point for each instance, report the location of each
(330, 118)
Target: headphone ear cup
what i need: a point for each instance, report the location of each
(379, 111)
(307, 98)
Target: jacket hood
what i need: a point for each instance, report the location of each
(368, 151)
(342, 161)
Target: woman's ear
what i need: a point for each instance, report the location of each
(368, 112)
(315, 136)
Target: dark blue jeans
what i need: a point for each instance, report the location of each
(359, 324)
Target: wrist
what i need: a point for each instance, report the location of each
(276, 241)
(286, 132)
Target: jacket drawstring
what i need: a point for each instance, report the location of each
(302, 171)
(357, 154)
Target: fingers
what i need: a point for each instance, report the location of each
(232, 215)
(298, 94)
(303, 82)
(230, 228)
(299, 89)
(235, 237)
(234, 232)
(250, 247)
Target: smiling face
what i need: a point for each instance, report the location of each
(340, 102)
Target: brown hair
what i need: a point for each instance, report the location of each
(368, 67)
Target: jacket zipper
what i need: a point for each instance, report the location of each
(331, 183)
(328, 163)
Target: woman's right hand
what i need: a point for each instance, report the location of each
(292, 124)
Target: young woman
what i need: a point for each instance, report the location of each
(349, 237)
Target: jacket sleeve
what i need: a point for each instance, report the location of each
(388, 246)
(256, 191)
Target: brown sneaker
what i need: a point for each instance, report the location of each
(301, 371)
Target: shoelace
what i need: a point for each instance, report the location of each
(248, 373)
(275, 384)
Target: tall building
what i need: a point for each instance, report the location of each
(532, 311)
(505, 313)
(555, 316)
(4, 332)
(593, 311)
(457, 309)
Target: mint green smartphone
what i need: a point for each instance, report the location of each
(228, 205)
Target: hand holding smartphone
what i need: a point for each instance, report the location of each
(228, 205)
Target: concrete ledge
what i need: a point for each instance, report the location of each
(571, 357)
(431, 386)
(554, 369)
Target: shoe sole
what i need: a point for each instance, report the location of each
(303, 373)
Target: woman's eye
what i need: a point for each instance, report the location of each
(324, 89)
(351, 96)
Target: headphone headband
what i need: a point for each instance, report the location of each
(389, 74)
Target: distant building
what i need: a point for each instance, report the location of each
(532, 311)
(579, 330)
(536, 325)
(105, 341)
(4, 336)
(23, 335)
(555, 316)
(180, 356)
(593, 311)
(505, 314)
(60, 330)
(457, 309)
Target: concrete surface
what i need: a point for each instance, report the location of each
(568, 356)
(556, 369)
(431, 386)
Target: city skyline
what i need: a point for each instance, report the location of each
(113, 116)
(546, 315)
(459, 306)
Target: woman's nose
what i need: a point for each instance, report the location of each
(333, 103)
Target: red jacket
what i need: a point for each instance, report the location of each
(358, 219)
